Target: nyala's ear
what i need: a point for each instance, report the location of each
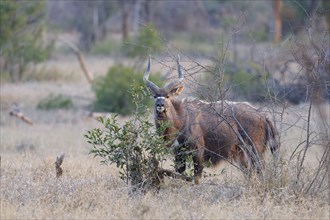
(176, 90)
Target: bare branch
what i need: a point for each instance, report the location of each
(80, 56)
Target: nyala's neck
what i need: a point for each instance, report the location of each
(173, 121)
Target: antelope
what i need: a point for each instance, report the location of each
(210, 131)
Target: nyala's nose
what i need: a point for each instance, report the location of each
(160, 108)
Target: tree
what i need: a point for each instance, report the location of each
(126, 14)
(22, 36)
(277, 8)
(93, 24)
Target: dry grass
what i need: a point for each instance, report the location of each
(29, 189)
(88, 190)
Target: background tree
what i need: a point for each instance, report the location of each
(277, 8)
(22, 39)
(92, 25)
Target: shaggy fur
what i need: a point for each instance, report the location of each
(211, 131)
(232, 131)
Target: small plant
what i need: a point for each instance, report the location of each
(112, 90)
(135, 148)
(58, 163)
(55, 102)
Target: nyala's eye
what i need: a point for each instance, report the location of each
(155, 96)
(168, 97)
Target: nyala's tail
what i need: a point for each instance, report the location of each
(271, 137)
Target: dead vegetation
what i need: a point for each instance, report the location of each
(58, 163)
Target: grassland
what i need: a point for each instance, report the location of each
(88, 190)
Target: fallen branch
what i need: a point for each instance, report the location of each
(170, 173)
(16, 112)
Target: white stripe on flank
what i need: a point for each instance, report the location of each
(245, 103)
(192, 99)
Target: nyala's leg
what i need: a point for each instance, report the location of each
(256, 157)
(198, 166)
(242, 159)
(180, 159)
(180, 163)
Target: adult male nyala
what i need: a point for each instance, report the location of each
(211, 131)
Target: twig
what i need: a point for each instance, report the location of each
(307, 141)
(58, 163)
(324, 163)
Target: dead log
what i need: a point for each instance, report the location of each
(16, 112)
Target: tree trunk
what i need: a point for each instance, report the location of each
(136, 15)
(95, 20)
(147, 11)
(326, 7)
(277, 8)
(125, 27)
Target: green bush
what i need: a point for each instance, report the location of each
(248, 84)
(112, 90)
(239, 82)
(135, 148)
(55, 102)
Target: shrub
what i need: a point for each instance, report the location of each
(247, 85)
(239, 82)
(112, 90)
(55, 102)
(135, 148)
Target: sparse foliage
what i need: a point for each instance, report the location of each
(313, 55)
